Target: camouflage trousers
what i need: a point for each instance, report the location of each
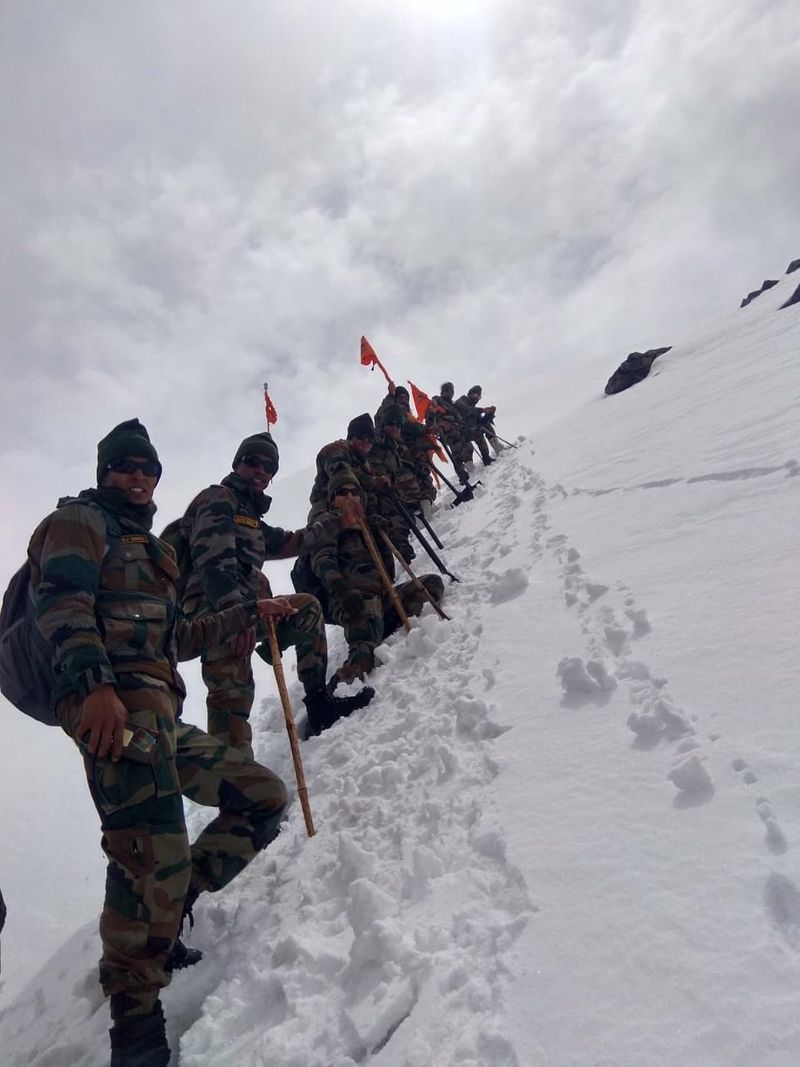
(379, 620)
(230, 683)
(151, 864)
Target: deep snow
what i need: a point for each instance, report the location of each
(565, 832)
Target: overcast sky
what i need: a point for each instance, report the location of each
(198, 196)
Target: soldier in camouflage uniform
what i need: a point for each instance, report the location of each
(419, 443)
(445, 420)
(477, 421)
(389, 457)
(358, 599)
(350, 456)
(105, 598)
(396, 396)
(229, 544)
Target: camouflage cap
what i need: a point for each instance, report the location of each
(475, 391)
(447, 387)
(129, 438)
(260, 443)
(338, 481)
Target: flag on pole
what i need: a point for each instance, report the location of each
(421, 401)
(369, 358)
(269, 407)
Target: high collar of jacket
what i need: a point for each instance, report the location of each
(259, 502)
(116, 501)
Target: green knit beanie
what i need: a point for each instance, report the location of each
(130, 438)
(395, 415)
(260, 443)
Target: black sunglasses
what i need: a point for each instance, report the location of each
(347, 492)
(149, 467)
(260, 462)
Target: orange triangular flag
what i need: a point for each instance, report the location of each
(269, 407)
(421, 401)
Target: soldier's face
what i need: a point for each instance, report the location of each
(257, 476)
(393, 430)
(362, 446)
(137, 486)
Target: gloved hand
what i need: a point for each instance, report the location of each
(379, 523)
(352, 603)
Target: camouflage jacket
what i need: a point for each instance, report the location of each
(470, 413)
(343, 561)
(229, 544)
(108, 605)
(447, 419)
(392, 459)
(339, 458)
(387, 402)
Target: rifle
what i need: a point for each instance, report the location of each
(467, 493)
(458, 466)
(422, 588)
(489, 429)
(398, 503)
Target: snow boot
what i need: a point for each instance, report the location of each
(181, 957)
(324, 709)
(140, 1041)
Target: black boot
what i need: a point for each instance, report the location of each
(324, 709)
(140, 1041)
(181, 957)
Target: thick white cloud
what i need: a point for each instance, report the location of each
(198, 196)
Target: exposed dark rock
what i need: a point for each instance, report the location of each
(633, 369)
(793, 299)
(793, 266)
(768, 284)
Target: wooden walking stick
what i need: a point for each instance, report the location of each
(291, 729)
(420, 585)
(388, 583)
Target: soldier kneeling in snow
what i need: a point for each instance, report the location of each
(357, 597)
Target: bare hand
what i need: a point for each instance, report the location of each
(103, 719)
(275, 608)
(351, 513)
(243, 644)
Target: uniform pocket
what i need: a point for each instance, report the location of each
(134, 627)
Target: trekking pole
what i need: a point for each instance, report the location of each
(467, 493)
(420, 585)
(291, 729)
(413, 526)
(381, 569)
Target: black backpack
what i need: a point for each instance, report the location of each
(305, 581)
(26, 657)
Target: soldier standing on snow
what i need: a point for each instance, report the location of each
(229, 544)
(477, 421)
(357, 597)
(105, 598)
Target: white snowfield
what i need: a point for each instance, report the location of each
(567, 830)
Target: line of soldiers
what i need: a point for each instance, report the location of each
(120, 607)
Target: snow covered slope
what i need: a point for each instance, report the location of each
(567, 831)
